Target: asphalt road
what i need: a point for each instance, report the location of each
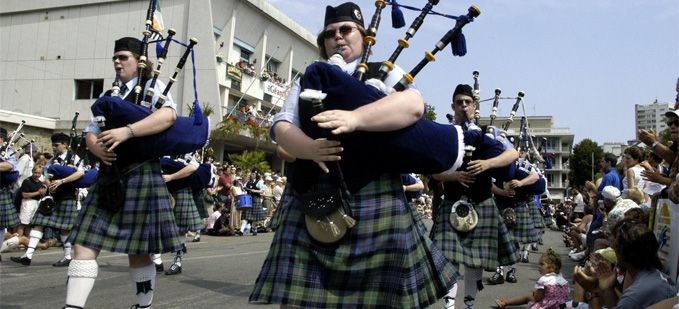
(218, 272)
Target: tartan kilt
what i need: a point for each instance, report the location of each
(186, 214)
(201, 205)
(9, 217)
(283, 205)
(524, 232)
(487, 246)
(383, 261)
(538, 221)
(255, 213)
(145, 223)
(63, 217)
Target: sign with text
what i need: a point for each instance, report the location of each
(275, 90)
(234, 73)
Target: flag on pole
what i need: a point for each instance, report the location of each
(158, 24)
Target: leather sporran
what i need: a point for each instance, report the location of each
(47, 205)
(110, 189)
(325, 215)
(509, 217)
(463, 216)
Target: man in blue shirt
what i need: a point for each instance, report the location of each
(611, 177)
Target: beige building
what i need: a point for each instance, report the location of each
(651, 116)
(55, 58)
(558, 145)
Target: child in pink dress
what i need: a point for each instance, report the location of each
(551, 290)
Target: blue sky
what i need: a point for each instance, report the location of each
(586, 63)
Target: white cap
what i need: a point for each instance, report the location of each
(610, 192)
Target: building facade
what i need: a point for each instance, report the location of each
(556, 145)
(651, 116)
(55, 60)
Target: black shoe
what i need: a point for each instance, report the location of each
(254, 233)
(61, 263)
(239, 233)
(525, 260)
(496, 279)
(511, 276)
(160, 268)
(174, 269)
(21, 260)
(196, 239)
(184, 248)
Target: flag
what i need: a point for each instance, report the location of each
(158, 24)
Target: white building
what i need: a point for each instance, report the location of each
(558, 145)
(55, 58)
(651, 116)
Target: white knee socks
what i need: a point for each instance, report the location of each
(472, 276)
(81, 277)
(145, 281)
(33, 241)
(67, 247)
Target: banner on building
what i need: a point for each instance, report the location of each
(234, 73)
(275, 90)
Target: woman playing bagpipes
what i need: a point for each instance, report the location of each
(139, 220)
(383, 260)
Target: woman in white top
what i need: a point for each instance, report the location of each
(632, 158)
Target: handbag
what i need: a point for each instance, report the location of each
(463, 216)
(325, 215)
(509, 217)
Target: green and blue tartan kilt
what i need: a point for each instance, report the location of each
(255, 213)
(283, 205)
(63, 217)
(9, 217)
(186, 214)
(199, 200)
(382, 262)
(487, 246)
(145, 223)
(538, 221)
(524, 232)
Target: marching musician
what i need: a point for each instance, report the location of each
(251, 216)
(186, 215)
(488, 244)
(144, 224)
(8, 213)
(66, 211)
(365, 267)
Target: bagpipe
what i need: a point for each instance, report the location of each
(184, 136)
(9, 177)
(69, 167)
(425, 147)
(200, 179)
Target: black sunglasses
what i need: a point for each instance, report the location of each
(120, 57)
(343, 30)
(463, 101)
(674, 122)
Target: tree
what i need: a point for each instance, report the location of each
(251, 160)
(581, 162)
(429, 112)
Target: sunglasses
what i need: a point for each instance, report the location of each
(343, 30)
(674, 122)
(120, 57)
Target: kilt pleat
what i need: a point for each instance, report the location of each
(384, 261)
(524, 232)
(538, 221)
(63, 217)
(488, 245)
(255, 213)
(8, 213)
(186, 214)
(201, 205)
(145, 223)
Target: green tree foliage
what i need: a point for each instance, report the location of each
(251, 160)
(581, 162)
(429, 112)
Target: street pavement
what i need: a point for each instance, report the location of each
(218, 272)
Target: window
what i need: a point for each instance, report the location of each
(267, 97)
(245, 55)
(272, 65)
(87, 89)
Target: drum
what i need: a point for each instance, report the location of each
(243, 201)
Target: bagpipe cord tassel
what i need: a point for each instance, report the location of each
(351, 222)
(333, 228)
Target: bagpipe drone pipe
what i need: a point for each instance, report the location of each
(425, 147)
(200, 179)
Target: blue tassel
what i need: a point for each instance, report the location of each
(159, 48)
(459, 45)
(197, 114)
(397, 19)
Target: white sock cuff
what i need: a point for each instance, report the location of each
(83, 268)
(35, 234)
(144, 273)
